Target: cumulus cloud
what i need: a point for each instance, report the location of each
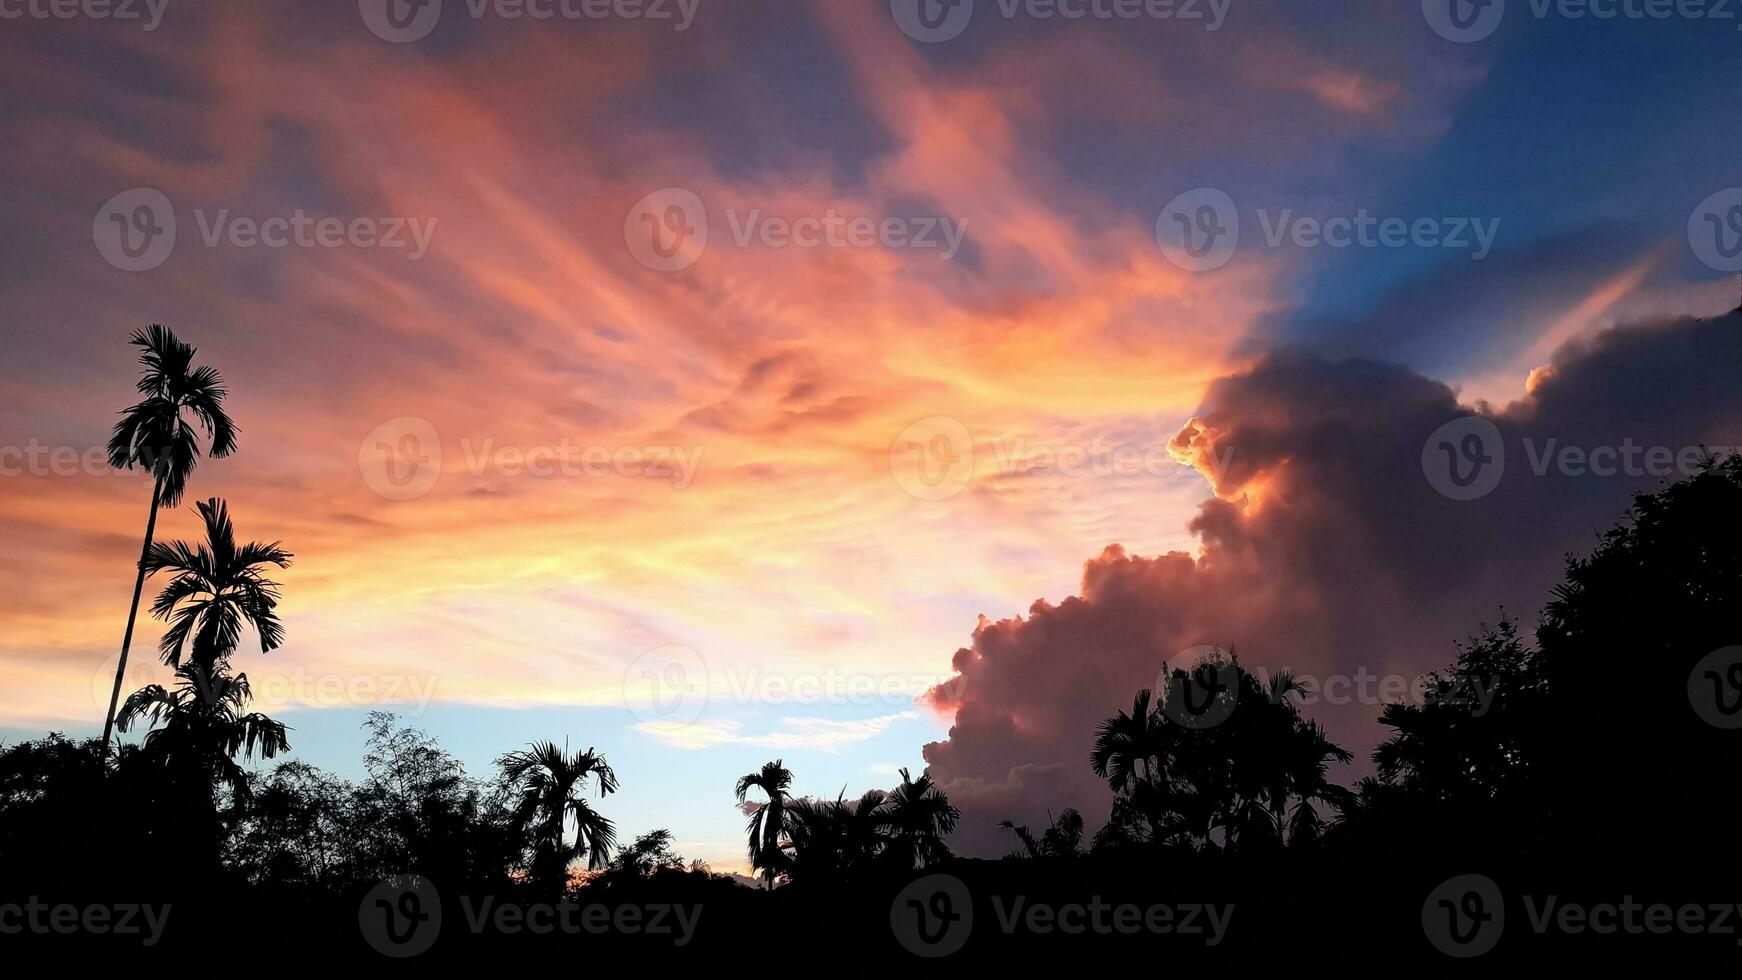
(1327, 551)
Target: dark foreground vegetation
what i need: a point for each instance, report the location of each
(1592, 772)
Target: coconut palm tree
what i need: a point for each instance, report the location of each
(766, 819)
(155, 435)
(552, 783)
(920, 817)
(218, 589)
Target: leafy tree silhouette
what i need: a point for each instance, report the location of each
(1063, 838)
(1512, 740)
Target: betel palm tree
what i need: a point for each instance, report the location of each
(204, 725)
(768, 818)
(217, 590)
(835, 842)
(919, 818)
(1126, 744)
(1130, 754)
(155, 435)
(552, 783)
(1307, 759)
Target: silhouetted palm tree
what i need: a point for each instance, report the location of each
(204, 725)
(552, 783)
(155, 435)
(813, 841)
(217, 590)
(1306, 763)
(766, 819)
(1125, 745)
(920, 817)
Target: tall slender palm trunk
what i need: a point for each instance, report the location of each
(132, 614)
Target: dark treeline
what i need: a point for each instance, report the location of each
(1592, 761)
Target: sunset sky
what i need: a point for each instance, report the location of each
(761, 489)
